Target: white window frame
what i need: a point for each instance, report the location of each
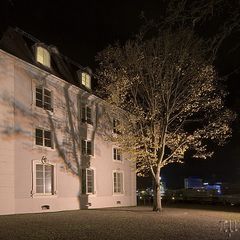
(43, 89)
(43, 130)
(86, 147)
(86, 80)
(84, 114)
(118, 153)
(86, 181)
(43, 56)
(122, 182)
(34, 175)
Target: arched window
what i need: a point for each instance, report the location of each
(86, 80)
(43, 56)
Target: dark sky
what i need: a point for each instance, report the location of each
(82, 28)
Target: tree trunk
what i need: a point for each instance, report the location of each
(157, 200)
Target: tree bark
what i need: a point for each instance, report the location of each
(157, 200)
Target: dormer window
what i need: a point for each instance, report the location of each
(43, 56)
(86, 80)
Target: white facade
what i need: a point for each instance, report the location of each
(34, 176)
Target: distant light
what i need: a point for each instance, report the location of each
(173, 198)
(206, 183)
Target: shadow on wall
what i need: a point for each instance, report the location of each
(65, 122)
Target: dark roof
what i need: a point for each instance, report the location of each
(22, 45)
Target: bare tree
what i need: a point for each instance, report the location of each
(172, 98)
(215, 21)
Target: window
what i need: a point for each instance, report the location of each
(117, 182)
(44, 98)
(117, 154)
(87, 115)
(116, 126)
(87, 148)
(88, 181)
(43, 138)
(43, 56)
(44, 179)
(86, 80)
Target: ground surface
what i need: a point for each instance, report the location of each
(181, 223)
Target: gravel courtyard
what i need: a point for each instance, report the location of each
(122, 223)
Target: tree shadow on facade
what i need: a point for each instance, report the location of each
(68, 130)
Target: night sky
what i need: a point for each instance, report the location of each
(82, 28)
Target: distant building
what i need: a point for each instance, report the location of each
(49, 134)
(193, 182)
(214, 186)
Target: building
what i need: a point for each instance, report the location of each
(53, 153)
(193, 182)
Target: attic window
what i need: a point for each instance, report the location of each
(86, 80)
(43, 56)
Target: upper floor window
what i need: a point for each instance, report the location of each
(117, 154)
(87, 115)
(116, 126)
(43, 56)
(88, 181)
(43, 138)
(44, 98)
(86, 80)
(87, 148)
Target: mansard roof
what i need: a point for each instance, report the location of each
(23, 46)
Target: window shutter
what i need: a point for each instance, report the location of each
(83, 181)
(93, 187)
(121, 182)
(84, 114)
(40, 54)
(83, 147)
(39, 137)
(89, 115)
(46, 58)
(89, 148)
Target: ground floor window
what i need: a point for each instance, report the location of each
(117, 182)
(44, 178)
(88, 186)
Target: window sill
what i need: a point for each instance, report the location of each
(90, 194)
(38, 147)
(88, 156)
(42, 65)
(86, 124)
(118, 194)
(118, 161)
(42, 110)
(38, 195)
